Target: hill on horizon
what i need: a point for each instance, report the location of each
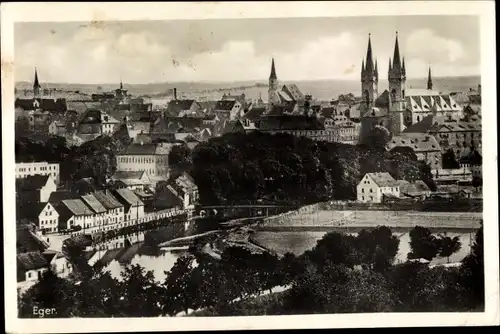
(321, 89)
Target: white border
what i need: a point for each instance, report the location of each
(19, 12)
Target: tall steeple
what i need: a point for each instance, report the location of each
(396, 60)
(390, 64)
(121, 82)
(369, 56)
(369, 76)
(273, 98)
(36, 85)
(273, 71)
(376, 68)
(429, 79)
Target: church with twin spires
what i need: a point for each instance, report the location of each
(398, 107)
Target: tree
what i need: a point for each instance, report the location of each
(477, 182)
(378, 137)
(450, 160)
(377, 248)
(472, 273)
(449, 246)
(423, 244)
(180, 288)
(180, 157)
(333, 249)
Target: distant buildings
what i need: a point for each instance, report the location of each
(424, 145)
(25, 169)
(143, 157)
(96, 123)
(461, 136)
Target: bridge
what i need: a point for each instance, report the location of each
(248, 210)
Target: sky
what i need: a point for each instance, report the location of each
(225, 50)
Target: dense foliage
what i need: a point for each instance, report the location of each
(450, 160)
(243, 168)
(95, 159)
(424, 245)
(341, 274)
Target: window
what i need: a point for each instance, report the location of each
(371, 190)
(363, 198)
(29, 275)
(362, 190)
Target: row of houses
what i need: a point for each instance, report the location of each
(375, 187)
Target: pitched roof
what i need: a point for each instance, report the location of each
(26, 241)
(417, 188)
(383, 99)
(129, 197)
(176, 106)
(139, 149)
(294, 92)
(32, 260)
(32, 182)
(121, 175)
(107, 200)
(419, 142)
(290, 122)
(93, 203)
(328, 111)
(186, 182)
(383, 179)
(254, 113)
(77, 207)
(225, 105)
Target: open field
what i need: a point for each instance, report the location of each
(366, 219)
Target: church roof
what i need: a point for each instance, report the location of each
(293, 91)
(273, 71)
(419, 142)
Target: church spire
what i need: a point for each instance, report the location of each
(369, 56)
(429, 79)
(273, 71)
(390, 64)
(376, 67)
(36, 84)
(362, 67)
(121, 82)
(397, 58)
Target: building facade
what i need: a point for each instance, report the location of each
(24, 169)
(150, 158)
(374, 186)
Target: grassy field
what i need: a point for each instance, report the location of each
(400, 219)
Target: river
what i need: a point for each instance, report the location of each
(161, 260)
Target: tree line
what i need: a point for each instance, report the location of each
(244, 168)
(342, 273)
(94, 159)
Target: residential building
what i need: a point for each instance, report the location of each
(24, 169)
(417, 189)
(342, 129)
(424, 145)
(150, 158)
(35, 189)
(452, 176)
(44, 215)
(31, 266)
(229, 109)
(97, 122)
(114, 208)
(460, 136)
(133, 206)
(374, 186)
(73, 213)
(28, 241)
(59, 263)
(182, 108)
(100, 213)
(131, 180)
(179, 192)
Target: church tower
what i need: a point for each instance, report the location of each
(429, 80)
(369, 77)
(397, 77)
(273, 98)
(397, 85)
(36, 85)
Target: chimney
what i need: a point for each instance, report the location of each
(175, 93)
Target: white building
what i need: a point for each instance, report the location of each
(133, 206)
(72, 213)
(373, 186)
(47, 218)
(35, 189)
(150, 158)
(25, 169)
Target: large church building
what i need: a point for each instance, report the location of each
(398, 107)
